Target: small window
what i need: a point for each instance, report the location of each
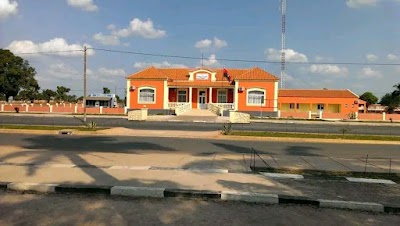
(321, 107)
(222, 96)
(293, 105)
(255, 97)
(182, 96)
(147, 95)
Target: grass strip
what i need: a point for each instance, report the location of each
(42, 127)
(314, 135)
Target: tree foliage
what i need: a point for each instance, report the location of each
(392, 100)
(48, 94)
(62, 93)
(106, 90)
(369, 97)
(16, 75)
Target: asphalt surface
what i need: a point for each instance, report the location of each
(120, 144)
(193, 126)
(69, 209)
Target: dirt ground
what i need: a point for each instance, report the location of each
(72, 209)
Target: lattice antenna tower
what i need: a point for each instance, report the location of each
(283, 51)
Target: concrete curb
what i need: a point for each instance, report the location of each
(156, 192)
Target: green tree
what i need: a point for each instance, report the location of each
(48, 94)
(369, 97)
(396, 92)
(16, 75)
(106, 90)
(62, 93)
(391, 101)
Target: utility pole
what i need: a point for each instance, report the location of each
(283, 51)
(84, 83)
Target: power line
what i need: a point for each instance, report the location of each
(243, 60)
(50, 52)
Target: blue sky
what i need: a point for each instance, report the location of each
(317, 31)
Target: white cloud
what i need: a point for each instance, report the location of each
(111, 72)
(368, 72)
(207, 43)
(8, 8)
(219, 43)
(53, 45)
(144, 29)
(361, 3)
(328, 69)
(109, 40)
(111, 27)
(86, 5)
(291, 55)
(62, 71)
(203, 44)
(371, 57)
(392, 57)
(211, 61)
(164, 64)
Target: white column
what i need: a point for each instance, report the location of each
(26, 108)
(320, 114)
(51, 108)
(166, 94)
(236, 96)
(128, 93)
(2, 107)
(384, 116)
(309, 114)
(279, 113)
(125, 110)
(101, 109)
(190, 97)
(276, 96)
(210, 95)
(356, 115)
(76, 109)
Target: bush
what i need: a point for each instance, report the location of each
(227, 129)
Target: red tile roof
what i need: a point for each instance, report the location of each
(201, 84)
(181, 74)
(323, 93)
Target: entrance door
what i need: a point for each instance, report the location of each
(202, 100)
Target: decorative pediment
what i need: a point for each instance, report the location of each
(202, 75)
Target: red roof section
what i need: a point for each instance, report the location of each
(322, 93)
(181, 74)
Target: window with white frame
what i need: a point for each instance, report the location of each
(222, 96)
(147, 95)
(321, 107)
(182, 96)
(255, 97)
(294, 106)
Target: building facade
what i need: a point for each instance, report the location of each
(163, 90)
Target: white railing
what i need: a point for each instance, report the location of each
(226, 106)
(173, 105)
(182, 108)
(214, 108)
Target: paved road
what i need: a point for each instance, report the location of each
(36, 209)
(190, 126)
(193, 146)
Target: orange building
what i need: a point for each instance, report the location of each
(330, 103)
(245, 90)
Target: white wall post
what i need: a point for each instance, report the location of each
(2, 107)
(384, 116)
(309, 114)
(356, 114)
(279, 113)
(26, 108)
(76, 109)
(236, 95)
(101, 109)
(51, 108)
(320, 114)
(125, 110)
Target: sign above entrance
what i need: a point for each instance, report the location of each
(202, 76)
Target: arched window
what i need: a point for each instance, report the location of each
(255, 97)
(147, 95)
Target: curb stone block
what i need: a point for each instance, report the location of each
(283, 175)
(283, 199)
(138, 191)
(250, 197)
(32, 187)
(392, 209)
(191, 193)
(367, 206)
(95, 189)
